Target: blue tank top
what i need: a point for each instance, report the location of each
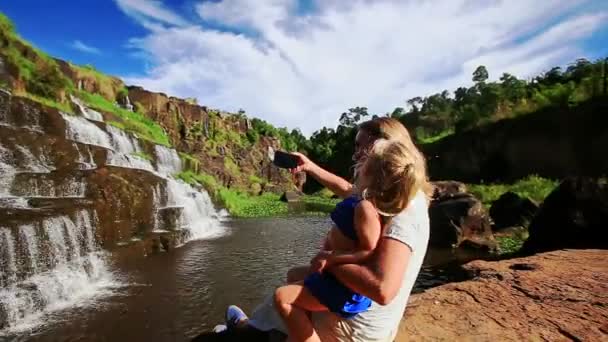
(344, 216)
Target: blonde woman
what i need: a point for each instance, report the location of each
(387, 276)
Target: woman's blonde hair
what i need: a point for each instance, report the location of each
(394, 168)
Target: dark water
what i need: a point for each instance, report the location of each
(176, 295)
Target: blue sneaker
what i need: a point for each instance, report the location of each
(234, 315)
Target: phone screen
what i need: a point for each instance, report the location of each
(285, 160)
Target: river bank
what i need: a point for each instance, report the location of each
(553, 296)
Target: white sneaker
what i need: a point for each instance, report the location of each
(219, 328)
(234, 315)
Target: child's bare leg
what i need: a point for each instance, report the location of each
(297, 273)
(293, 302)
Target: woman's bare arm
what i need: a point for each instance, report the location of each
(380, 277)
(336, 184)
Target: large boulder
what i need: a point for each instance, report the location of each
(553, 296)
(574, 215)
(447, 189)
(512, 210)
(291, 196)
(460, 221)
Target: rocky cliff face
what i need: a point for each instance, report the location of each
(217, 139)
(71, 186)
(552, 143)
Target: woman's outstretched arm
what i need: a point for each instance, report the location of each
(335, 184)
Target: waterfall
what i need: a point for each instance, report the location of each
(43, 187)
(122, 141)
(85, 111)
(128, 105)
(125, 146)
(167, 160)
(199, 216)
(83, 131)
(85, 161)
(37, 280)
(30, 163)
(129, 161)
(7, 172)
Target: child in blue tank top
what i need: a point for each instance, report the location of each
(358, 222)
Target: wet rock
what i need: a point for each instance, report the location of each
(511, 210)
(447, 189)
(290, 196)
(460, 221)
(574, 215)
(554, 296)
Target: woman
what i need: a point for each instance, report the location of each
(389, 274)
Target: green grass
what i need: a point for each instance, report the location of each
(137, 123)
(231, 167)
(509, 244)
(318, 204)
(533, 187)
(423, 139)
(143, 155)
(207, 181)
(50, 103)
(256, 179)
(242, 204)
(190, 162)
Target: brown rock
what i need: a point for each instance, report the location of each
(555, 296)
(511, 210)
(460, 221)
(290, 197)
(447, 189)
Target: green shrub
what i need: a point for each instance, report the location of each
(533, 187)
(143, 155)
(231, 166)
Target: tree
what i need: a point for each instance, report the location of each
(397, 113)
(415, 103)
(480, 75)
(512, 88)
(353, 116)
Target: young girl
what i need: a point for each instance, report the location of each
(386, 178)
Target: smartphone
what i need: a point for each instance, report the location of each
(284, 160)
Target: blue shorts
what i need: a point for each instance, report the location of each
(335, 296)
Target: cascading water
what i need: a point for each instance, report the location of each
(7, 172)
(85, 111)
(41, 187)
(198, 216)
(85, 160)
(81, 130)
(53, 262)
(167, 160)
(125, 148)
(52, 265)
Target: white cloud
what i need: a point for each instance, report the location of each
(80, 46)
(303, 71)
(150, 13)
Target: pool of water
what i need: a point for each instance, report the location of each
(174, 296)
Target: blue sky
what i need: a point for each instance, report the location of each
(301, 63)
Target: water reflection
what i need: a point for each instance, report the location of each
(176, 295)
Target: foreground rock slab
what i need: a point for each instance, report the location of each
(554, 296)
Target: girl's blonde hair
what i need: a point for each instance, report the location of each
(394, 169)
